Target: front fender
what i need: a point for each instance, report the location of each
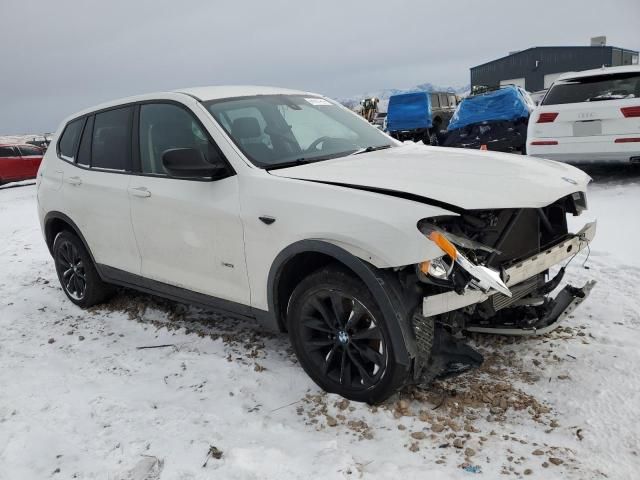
(395, 304)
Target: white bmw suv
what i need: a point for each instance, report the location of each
(285, 207)
(590, 116)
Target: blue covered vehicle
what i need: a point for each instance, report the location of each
(419, 115)
(497, 119)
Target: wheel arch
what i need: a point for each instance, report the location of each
(56, 222)
(306, 256)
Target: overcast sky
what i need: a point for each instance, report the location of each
(57, 57)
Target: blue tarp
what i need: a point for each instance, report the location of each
(409, 111)
(507, 103)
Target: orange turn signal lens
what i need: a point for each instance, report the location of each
(444, 244)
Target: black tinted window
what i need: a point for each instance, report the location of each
(69, 140)
(111, 147)
(84, 152)
(7, 152)
(165, 126)
(594, 89)
(29, 151)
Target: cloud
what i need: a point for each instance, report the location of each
(59, 57)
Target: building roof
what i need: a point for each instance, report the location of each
(554, 47)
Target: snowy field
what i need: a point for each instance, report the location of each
(80, 397)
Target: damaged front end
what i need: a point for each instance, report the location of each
(493, 277)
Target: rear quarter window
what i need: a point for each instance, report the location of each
(596, 88)
(68, 144)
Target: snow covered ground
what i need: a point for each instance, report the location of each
(80, 398)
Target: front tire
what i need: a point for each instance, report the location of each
(341, 337)
(77, 273)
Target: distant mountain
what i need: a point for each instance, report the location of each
(384, 95)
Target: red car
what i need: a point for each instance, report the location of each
(19, 162)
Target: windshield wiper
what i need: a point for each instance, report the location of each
(304, 160)
(370, 149)
(296, 162)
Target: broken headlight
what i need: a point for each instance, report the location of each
(437, 268)
(483, 278)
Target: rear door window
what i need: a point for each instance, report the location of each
(7, 152)
(111, 140)
(27, 151)
(435, 102)
(596, 88)
(443, 100)
(68, 144)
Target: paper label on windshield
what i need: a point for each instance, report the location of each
(317, 101)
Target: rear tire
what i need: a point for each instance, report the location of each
(341, 337)
(77, 273)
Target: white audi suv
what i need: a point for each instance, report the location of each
(589, 117)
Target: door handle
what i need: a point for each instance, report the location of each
(139, 192)
(74, 180)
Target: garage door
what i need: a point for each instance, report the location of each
(519, 82)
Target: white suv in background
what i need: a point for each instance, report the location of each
(590, 116)
(285, 207)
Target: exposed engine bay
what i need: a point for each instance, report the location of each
(494, 276)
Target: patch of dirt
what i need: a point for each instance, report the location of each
(459, 416)
(243, 339)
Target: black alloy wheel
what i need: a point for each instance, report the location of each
(341, 337)
(73, 278)
(77, 273)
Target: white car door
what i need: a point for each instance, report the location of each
(95, 181)
(188, 231)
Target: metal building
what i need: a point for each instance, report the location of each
(536, 68)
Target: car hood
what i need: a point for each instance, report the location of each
(467, 179)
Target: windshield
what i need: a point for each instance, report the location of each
(596, 88)
(278, 130)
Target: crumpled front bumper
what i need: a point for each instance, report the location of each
(569, 298)
(563, 304)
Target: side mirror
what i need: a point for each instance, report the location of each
(188, 163)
